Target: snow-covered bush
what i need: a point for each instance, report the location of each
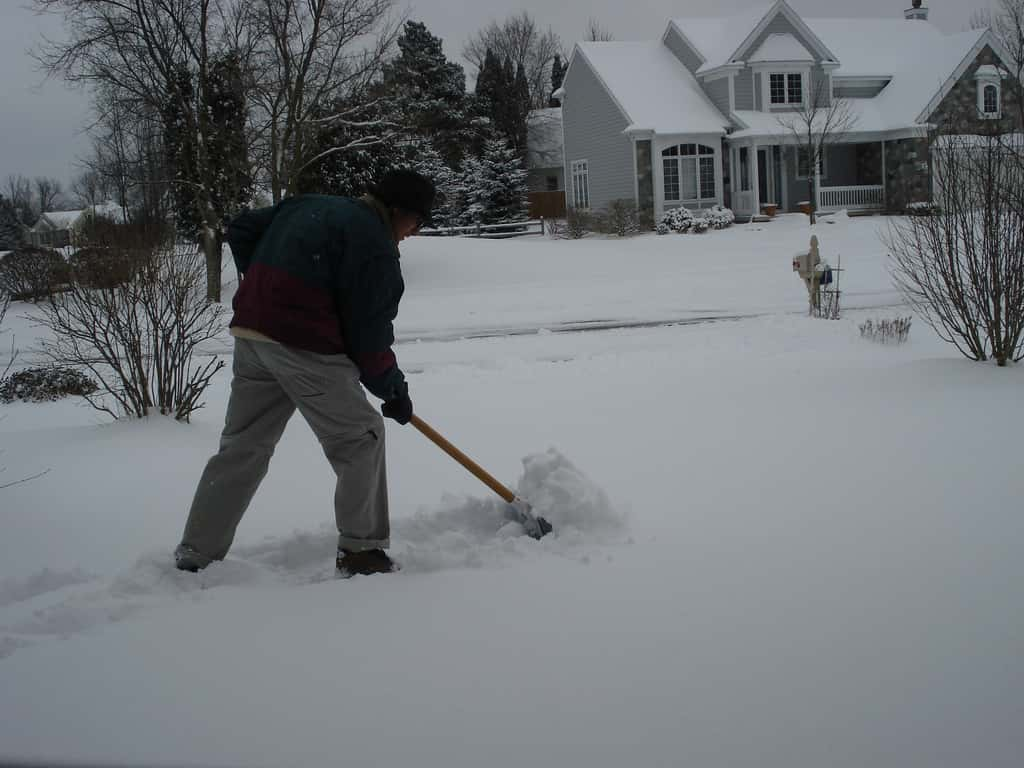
(893, 331)
(50, 382)
(555, 228)
(719, 217)
(700, 225)
(662, 228)
(31, 274)
(677, 219)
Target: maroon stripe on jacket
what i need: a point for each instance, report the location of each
(288, 309)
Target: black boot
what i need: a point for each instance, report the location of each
(364, 562)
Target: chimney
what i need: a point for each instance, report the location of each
(917, 12)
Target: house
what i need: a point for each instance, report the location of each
(56, 229)
(704, 115)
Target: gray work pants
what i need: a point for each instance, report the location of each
(270, 382)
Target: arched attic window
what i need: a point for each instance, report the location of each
(989, 82)
(689, 173)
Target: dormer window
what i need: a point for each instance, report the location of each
(990, 98)
(786, 88)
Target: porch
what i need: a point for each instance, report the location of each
(850, 177)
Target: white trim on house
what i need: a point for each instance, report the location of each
(672, 24)
(985, 78)
(580, 184)
(726, 70)
(786, 68)
(781, 6)
(986, 38)
(661, 142)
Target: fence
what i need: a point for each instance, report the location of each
(547, 205)
(491, 231)
(851, 198)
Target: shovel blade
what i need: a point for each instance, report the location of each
(535, 527)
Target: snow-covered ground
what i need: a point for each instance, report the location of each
(795, 548)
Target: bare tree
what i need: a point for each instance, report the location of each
(48, 192)
(520, 40)
(597, 32)
(312, 55)
(19, 193)
(139, 333)
(962, 268)
(140, 48)
(89, 188)
(819, 121)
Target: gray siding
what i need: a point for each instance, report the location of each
(718, 92)
(682, 51)
(758, 91)
(745, 90)
(819, 80)
(777, 26)
(593, 126)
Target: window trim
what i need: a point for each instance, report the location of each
(983, 86)
(824, 164)
(700, 156)
(580, 173)
(785, 69)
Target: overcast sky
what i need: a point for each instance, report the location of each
(41, 124)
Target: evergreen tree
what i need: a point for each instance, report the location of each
(487, 99)
(557, 76)
(182, 159)
(12, 234)
(231, 177)
(519, 112)
(494, 185)
(353, 153)
(428, 92)
(424, 158)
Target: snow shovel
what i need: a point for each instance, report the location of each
(535, 526)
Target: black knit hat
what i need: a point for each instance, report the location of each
(408, 190)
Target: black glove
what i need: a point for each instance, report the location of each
(399, 409)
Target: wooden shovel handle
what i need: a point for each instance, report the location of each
(434, 436)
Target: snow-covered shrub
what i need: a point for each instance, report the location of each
(700, 225)
(893, 331)
(555, 228)
(31, 274)
(619, 218)
(678, 219)
(50, 382)
(662, 228)
(577, 223)
(719, 217)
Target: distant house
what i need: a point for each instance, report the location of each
(696, 118)
(56, 229)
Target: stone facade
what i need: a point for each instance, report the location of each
(908, 173)
(644, 177)
(958, 111)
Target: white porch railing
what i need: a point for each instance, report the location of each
(850, 198)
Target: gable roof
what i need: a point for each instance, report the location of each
(652, 87)
(721, 40)
(917, 57)
(781, 47)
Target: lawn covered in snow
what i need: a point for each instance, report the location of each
(795, 547)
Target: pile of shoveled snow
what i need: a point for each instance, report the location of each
(460, 532)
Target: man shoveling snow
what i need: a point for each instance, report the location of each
(321, 283)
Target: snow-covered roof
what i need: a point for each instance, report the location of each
(544, 138)
(865, 118)
(915, 54)
(108, 210)
(652, 87)
(61, 219)
(717, 38)
(781, 47)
